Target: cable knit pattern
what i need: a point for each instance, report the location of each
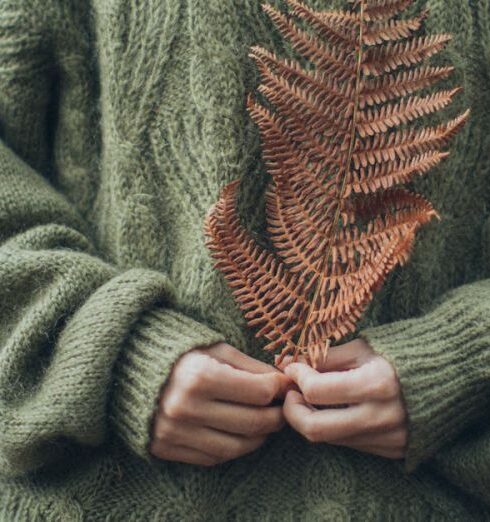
(120, 122)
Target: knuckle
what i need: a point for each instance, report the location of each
(174, 407)
(378, 422)
(164, 431)
(184, 364)
(236, 448)
(396, 416)
(256, 442)
(401, 439)
(194, 375)
(310, 393)
(233, 449)
(389, 383)
(227, 349)
(194, 363)
(312, 432)
(391, 389)
(383, 387)
(220, 348)
(257, 424)
(193, 382)
(268, 393)
(224, 453)
(376, 418)
(200, 371)
(278, 423)
(252, 445)
(223, 460)
(390, 418)
(244, 446)
(389, 386)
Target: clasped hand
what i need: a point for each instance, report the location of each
(219, 404)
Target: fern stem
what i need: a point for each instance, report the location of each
(348, 164)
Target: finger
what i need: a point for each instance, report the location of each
(327, 425)
(345, 357)
(389, 439)
(224, 446)
(233, 385)
(182, 454)
(230, 355)
(238, 419)
(371, 381)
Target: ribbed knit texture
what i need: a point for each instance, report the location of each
(120, 122)
(446, 385)
(144, 366)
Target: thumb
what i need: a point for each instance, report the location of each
(284, 384)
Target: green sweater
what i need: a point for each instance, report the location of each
(120, 121)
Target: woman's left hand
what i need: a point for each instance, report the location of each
(372, 418)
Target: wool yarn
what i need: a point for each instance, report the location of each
(120, 122)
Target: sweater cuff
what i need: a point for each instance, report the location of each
(441, 360)
(155, 343)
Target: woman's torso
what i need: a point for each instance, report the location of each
(159, 90)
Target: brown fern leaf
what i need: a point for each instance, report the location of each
(340, 137)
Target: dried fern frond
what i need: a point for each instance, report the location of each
(342, 137)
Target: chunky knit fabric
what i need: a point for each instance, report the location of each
(120, 122)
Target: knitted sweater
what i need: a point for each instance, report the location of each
(120, 122)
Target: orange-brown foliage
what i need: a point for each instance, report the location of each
(338, 145)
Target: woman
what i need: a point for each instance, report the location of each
(130, 387)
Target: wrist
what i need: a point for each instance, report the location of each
(157, 341)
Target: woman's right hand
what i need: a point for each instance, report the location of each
(216, 406)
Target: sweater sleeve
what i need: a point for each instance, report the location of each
(84, 347)
(443, 362)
